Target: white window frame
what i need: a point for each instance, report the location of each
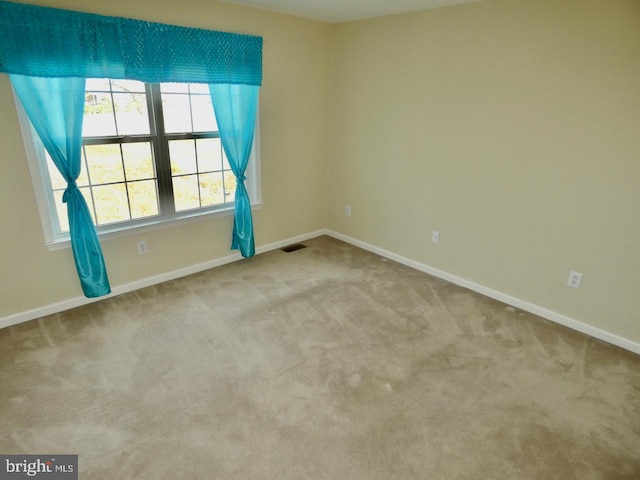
(54, 240)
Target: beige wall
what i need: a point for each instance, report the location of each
(292, 119)
(513, 128)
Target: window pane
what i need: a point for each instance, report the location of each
(111, 203)
(211, 189)
(143, 197)
(138, 163)
(131, 113)
(105, 163)
(86, 193)
(225, 161)
(199, 88)
(131, 86)
(97, 84)
(83, 178)
(229, 186)
(174, 87)
(183, 157)
(185, 192)
(204, 119)
(57, 181)
(177, 113)
(98, 115)
(61, 210)
(209, 154)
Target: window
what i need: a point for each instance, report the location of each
(151, 153)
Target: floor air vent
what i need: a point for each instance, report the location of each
(293, 248)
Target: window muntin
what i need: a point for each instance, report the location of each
(150, 153)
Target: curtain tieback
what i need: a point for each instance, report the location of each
(70, 187)
(241, 178)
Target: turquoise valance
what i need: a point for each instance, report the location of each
(47, 42)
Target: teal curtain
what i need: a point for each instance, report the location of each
(55, 107)
(235, 107)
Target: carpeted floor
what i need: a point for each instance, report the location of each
(324, 363)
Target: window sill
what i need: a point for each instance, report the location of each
(116, 231)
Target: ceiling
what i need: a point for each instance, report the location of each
(338, 11)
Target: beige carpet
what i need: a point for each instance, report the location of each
(324, 363)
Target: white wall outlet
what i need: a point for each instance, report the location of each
(142, 247)
(435, 236)
(575, 279)
(347, 210)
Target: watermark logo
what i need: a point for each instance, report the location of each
(45, 467)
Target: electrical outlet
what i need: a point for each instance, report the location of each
(435, 236)
(347, 210)
(575, 279)
(142, 247)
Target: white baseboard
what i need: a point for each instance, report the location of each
(496, 295)
(22, 317)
